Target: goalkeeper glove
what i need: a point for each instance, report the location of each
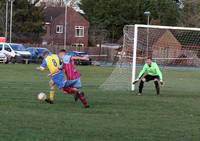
(161, 82)
(136, 81)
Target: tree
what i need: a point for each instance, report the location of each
(2, 17)
(167, 11)
(112, 15)
(28, 20)
(191, 13)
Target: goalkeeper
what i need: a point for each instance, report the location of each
(150, 72)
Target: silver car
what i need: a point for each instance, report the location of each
(3, 58)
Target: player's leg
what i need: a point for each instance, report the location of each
(50, 99)
(157, 86)
(72, 87)
(81, 97)
(57, 80)
(141, 85)
(65, 85)
(78, 94)
(51, 93)
(77, 85)
(146, 78)
(71, 92)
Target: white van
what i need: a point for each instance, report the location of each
(22, 55)
(15, 52)
(3, 58)
(6, 49)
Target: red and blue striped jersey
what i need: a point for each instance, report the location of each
(69, 68)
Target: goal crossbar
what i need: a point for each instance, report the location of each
(164, 27)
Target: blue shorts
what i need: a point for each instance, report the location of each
(58, 80)
(73, 83)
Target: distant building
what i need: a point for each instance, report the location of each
(167, 46)
(77, 27)
(162, 44)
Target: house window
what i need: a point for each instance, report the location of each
(79, 31)
(59, 28)
(79, 45)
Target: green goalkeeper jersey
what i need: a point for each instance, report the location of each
(151, 70)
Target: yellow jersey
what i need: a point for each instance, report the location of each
(52, 62)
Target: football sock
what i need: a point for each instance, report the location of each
(141, 86)
(82, 99)
(157, 87)
(51, 95)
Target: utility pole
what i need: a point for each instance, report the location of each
(6, 29)
(11, 17)
(148, 14)
(71, 4)
(65, 32)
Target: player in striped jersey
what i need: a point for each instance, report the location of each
(73, 82)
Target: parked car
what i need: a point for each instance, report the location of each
(6, 49)
(36, 53)
(3, 58)
(22, 56)
(81, 54)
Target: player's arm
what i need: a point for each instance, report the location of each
(56, 71)
(142, 72)
(79, 58)
(67, 58)
(42, 66)
(159, 73)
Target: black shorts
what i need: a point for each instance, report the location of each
(151, 77)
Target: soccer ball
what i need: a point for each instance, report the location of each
(42, 96)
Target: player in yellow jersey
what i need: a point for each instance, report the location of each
(52, 62)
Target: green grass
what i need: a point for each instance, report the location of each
(113, 116)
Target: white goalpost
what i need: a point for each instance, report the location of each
(169, 46)
(134, 57)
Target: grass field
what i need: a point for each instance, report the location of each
(113, 116)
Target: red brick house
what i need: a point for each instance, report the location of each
(77, 27)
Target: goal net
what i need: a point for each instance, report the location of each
(170, 47)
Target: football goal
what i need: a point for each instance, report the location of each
(171, 47)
